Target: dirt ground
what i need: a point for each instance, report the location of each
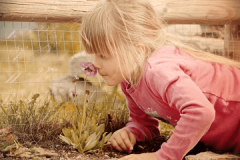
(67, 152)
(63, 151)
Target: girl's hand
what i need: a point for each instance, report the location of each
(122, 140)
(143, 156)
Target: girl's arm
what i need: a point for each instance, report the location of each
(140, 124)
(179, 91)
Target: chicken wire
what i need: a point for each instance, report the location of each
(35, 55)
(27, 63)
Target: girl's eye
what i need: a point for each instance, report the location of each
(101, 56)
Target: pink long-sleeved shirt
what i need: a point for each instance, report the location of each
(201, 99)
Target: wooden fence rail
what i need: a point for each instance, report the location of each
(210, 12)
(173, 11)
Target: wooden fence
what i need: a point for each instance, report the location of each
(210, 12)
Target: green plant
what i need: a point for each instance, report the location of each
(85, 136)
(115, 119)
(89, 134)
(32, 119)
(165, 130)
(47, 119)
(88, 137)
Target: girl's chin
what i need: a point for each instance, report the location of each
(110, 82)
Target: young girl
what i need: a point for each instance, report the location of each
(197, 92)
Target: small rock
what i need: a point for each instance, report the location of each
(212, 156)
(106, 156)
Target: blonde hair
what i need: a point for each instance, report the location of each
(119, 27)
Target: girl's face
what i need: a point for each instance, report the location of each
(108, 68)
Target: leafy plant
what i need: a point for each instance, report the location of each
(86, 136)
(90, 133)
(89, 137)
(46, 120)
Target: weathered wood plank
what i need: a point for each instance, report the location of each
(173, 11)
(44, 11)
(200, 11)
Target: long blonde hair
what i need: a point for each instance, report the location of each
(118, 27)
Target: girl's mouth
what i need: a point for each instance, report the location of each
(102, 74)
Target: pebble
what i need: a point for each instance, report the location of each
(212, 156)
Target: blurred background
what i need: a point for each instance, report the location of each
(32, 55)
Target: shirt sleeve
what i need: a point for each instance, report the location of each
(178, 90)
(140, 124)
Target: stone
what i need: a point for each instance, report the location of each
(74, 63)
(212, 156)
(61, 88)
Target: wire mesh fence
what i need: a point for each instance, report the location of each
(34, 54)
(43, 58)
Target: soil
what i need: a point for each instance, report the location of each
(67, 152)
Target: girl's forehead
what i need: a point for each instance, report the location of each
(104, 53)
(99, 53)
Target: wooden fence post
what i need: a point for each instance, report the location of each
(232, 41)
